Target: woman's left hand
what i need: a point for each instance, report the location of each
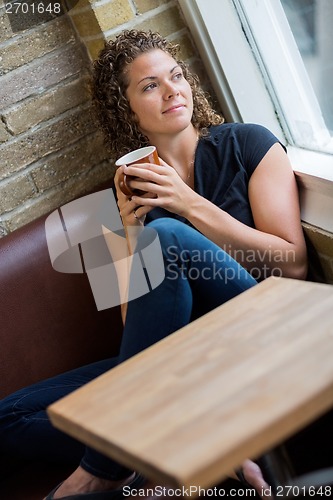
(254, 477)
(168, 189)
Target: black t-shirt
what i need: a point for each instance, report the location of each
(224, 161)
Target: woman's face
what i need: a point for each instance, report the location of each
(158, 94)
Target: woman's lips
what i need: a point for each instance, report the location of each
(174, 108)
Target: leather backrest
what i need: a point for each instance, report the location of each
(49, 322)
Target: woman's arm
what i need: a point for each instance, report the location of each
(121, 251)
(132, 222)
(118, 249)
(275, 246)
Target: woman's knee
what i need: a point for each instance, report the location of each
(9, 419)
(22, 407)
(170, 232)
(6, 408)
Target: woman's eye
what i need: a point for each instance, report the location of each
(149, 87)
(178, 76)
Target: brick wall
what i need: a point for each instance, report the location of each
(96, 21)
(50, 148)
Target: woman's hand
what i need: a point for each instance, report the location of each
(254, 477)
(163, 185)
(131, 213)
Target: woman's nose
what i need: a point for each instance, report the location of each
(170, 91)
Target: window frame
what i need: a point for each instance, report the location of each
(216, 26)
(278, 56)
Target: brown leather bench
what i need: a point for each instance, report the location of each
(49, 323)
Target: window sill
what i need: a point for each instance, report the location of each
(314, 173)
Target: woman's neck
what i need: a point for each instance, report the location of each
(178, 150)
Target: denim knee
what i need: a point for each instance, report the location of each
(6, 413)
(171, 232)
(167, 227)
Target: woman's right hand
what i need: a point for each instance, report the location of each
(254, 477)
(131, 213)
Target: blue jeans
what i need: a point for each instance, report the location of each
(199, 276)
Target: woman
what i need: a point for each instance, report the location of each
(221, 190)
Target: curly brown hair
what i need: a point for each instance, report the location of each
(110, 82)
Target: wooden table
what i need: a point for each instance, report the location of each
(230, 385)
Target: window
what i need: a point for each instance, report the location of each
(303, 106)
(311, 24)
(280, 58)
(265, 72)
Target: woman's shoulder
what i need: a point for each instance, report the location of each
(245, 138)
(244, 144)
(235, 129)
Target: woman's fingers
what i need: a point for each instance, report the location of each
(163, 184)
(146, 170)
(254, 477)
(131, 212)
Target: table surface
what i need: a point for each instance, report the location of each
(229, 386)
